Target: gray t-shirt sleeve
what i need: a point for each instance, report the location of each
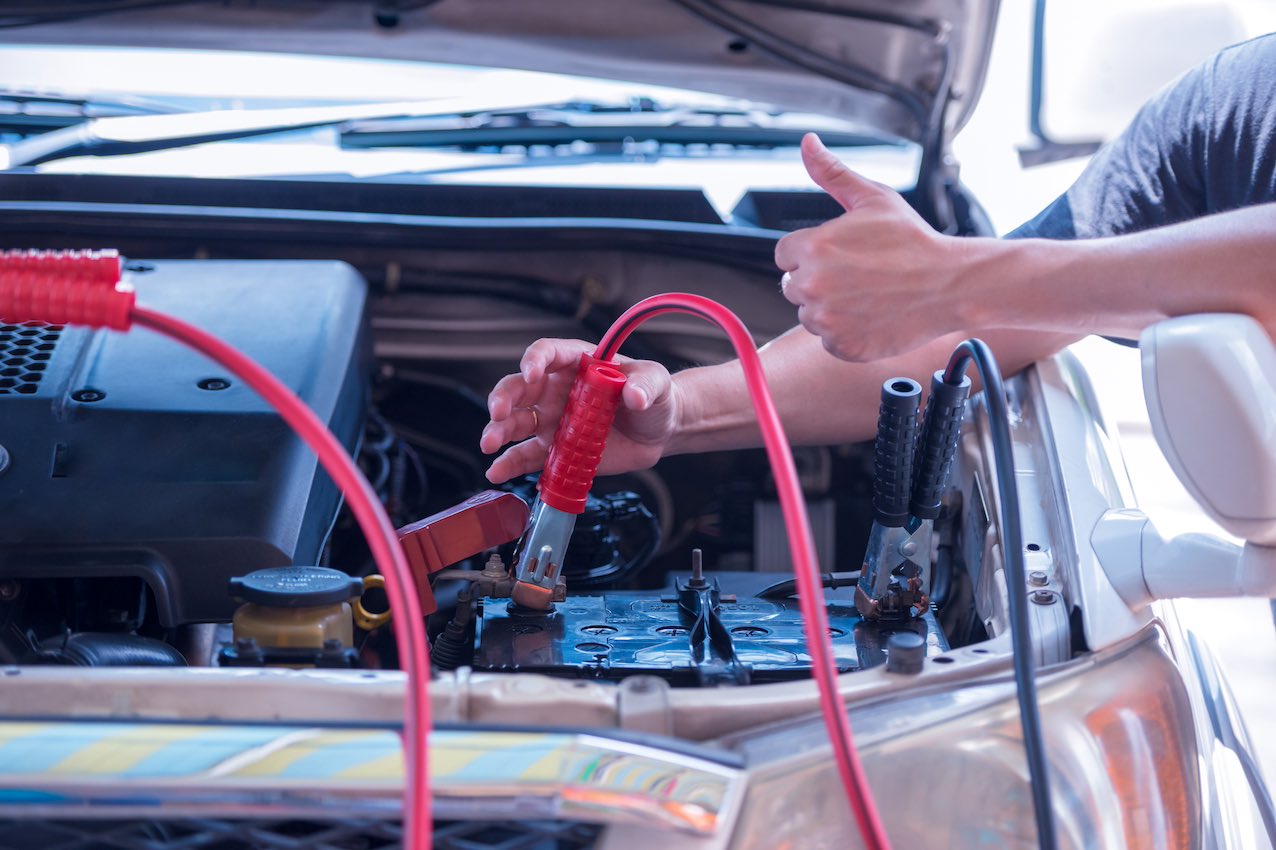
(1205, 143)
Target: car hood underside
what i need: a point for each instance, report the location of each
(910, 70)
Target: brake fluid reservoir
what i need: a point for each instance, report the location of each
(295, 607)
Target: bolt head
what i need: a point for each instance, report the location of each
(494, 567)
(1043, 597)
(1038, 578)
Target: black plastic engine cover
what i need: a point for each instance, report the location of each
(129, 454)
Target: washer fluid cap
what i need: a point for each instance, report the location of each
(296, 587)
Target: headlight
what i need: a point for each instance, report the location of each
(947, 769)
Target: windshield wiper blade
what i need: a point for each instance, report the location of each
(599, 125)
(138, 134)
(609, 136)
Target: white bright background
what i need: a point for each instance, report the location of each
(1107, 58)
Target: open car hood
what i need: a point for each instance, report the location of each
(911, 70)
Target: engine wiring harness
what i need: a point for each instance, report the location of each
(84, 288)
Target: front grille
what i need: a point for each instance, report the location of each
(24, 355)
(354, 834)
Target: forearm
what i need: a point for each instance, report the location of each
(1120, 285)
(821, 399)
(808, 384)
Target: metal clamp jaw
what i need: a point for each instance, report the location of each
(895, 579)
(539, 560)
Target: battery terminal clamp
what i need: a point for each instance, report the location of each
(482, 522)
(911, 466)
(564, 486)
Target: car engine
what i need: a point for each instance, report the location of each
(159, 513)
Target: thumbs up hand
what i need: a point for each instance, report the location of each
(877, 280)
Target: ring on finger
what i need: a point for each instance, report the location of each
(536, 420)
(785, 280)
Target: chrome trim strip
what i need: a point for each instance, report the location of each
(61, 768)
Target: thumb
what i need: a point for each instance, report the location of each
(830, 174)
(646, 382)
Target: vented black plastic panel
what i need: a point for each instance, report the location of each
(25, 352)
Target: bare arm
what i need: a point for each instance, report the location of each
(821, 399)
(1223, 263)
(878, 281)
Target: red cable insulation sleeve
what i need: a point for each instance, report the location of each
(409, 628)
(101, 268)
(59, 297)
(801, 544)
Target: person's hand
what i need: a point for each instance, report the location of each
(525, 408)
(875, 281)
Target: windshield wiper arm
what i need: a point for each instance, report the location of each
(27, 112)
(138, 134)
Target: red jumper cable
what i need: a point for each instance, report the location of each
(82, 288)
(569, 471)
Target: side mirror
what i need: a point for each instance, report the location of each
(1210, 385)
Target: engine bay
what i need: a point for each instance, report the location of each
(161, 515)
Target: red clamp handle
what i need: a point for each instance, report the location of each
(581, 435)
(28, 296)
(95, 266)
(64, 288)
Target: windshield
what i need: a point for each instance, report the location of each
(452, 124)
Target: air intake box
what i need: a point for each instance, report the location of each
(130, 455)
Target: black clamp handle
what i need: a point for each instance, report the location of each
(937, 444)
(894, 449)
